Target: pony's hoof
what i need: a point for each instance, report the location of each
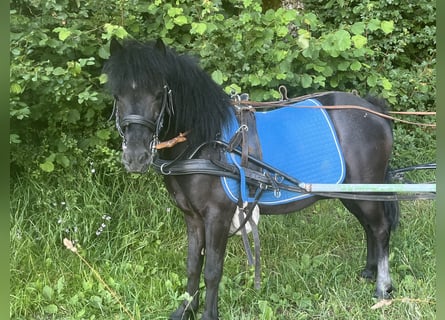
(384, 294)
(182, 315)
(368, 275)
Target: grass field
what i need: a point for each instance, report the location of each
(129, 232)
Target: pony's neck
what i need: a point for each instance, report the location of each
(201, 107)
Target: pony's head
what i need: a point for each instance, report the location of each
(142, 99)
(158, 95)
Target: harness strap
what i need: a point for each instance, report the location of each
(246, 215)
(275, 104)
(243, 220)
(256, 241)
(216, 168)
(134, 118)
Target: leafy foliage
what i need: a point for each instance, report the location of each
(402, 38)
(57, 103)
(59, 109)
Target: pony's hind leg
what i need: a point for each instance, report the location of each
(370, 270)
(195, 258)
(377, 224)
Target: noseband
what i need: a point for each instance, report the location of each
(154, 126)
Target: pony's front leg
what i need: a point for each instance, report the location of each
(217, 226)
(195, 257)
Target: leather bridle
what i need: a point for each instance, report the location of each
(154, 126)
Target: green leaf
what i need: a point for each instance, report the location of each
(103, 52)
(73, 116)
(310, 19)
(60, 284)
(281, 76)
(327, 71)
(81, 313)
(358, 28)
(343, 66)
(319, 80)
(359, 41)
(374, 24)
(329, 45)
(289, 15)
(63, 160)
(333, 82)
(86, 61)
(386, 84)
(51, 309)
(280, 55)
(336, 43)
(74, 67)
(303, 43)
(103, 134)
(180, 20)
(355, 66)
(198, 28)
(96, 302)
(266, 310)
(254, 80)
(21, 113)
(120, 32)
(73, 300)
(233, 88)
(371, 80)
(169, 25)
(343, 40)
(103, 78)
(47, 292)
(306, 80)
(15, 88)
(114, 30)
(303, 38)
(64, 33)
(387, 26)
(47, 166)
(282, 31)
(59, 71)
(173, 12)
(87, 285)
(218, 77)
(14, 138)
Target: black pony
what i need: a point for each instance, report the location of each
(160, 95)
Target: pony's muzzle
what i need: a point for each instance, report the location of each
(137, 161)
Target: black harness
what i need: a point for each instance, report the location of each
(256, 173)
(255, 169)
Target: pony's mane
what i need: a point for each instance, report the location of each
(200, 105)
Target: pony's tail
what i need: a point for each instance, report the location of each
(392, 208)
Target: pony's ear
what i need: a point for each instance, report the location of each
(115, 46)
(161, 46)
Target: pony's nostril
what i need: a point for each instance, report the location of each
(142, 159)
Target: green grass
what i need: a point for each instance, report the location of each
(127, 228)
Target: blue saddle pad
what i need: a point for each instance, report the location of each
(298, 141)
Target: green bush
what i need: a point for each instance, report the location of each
(406, 57)
(59, 109)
